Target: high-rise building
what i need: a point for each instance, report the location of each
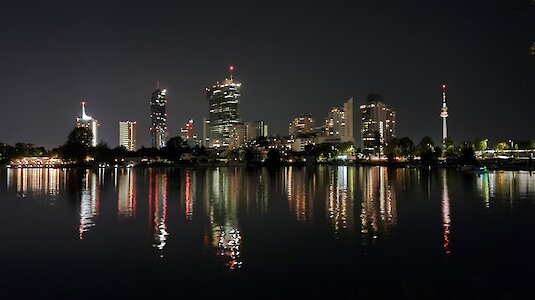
(378, 124)
(238, 135)
(339, 123)
(303, 124)
(186, 132)
(90, 123)
(532, 49)
(224, 113)
(246, 131)
(255, 129)
(127, 135)
(158, 127)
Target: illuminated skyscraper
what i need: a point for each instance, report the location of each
(303, 124)
(127, 135)
(186, 132)
(378, 124)
(339, 124)
(90, 123)
(158, 127)
(224, 113)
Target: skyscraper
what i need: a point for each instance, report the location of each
(90, 123)
(378, 124)
(158, 127)
(339, 123)
(303, 124)
(255, 129)
(186, 132)
(127, 135)
(224, 103)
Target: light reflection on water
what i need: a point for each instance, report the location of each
(358, 203)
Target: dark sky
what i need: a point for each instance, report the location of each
(291, 58)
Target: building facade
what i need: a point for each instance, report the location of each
(378, 124)
(90, 123)
(303, 124)
(224, 111)
(158, 127)
(127, 135)
(186, 132)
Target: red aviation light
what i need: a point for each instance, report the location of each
(231, 68)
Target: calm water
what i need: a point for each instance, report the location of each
(302, 232)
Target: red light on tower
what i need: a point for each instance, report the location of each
(231, 69)
(443, 86)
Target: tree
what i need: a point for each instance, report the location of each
(78, 144)
(406, 147)
(480, 144)
(392, 149)
(425, 145)
(468, 155)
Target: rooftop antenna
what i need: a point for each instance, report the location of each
(231, 70)
(157, 85)
(84, 116)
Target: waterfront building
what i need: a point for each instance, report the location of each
(127, 135)
(255, 129)
(186, 132)
(338, 127)
(90, 123)
(378, 124)
(303, 124)
(224, 110)
(158, 127)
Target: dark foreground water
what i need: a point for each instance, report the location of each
(326, 232)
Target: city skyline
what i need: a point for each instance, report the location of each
(337, 54)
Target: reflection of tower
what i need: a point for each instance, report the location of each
(126, 205)
(445, 214)
(89, 203)
(444, 116)
(158, 209)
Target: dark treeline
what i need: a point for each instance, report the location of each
(77, 150)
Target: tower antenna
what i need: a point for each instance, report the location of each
(231, 70)
(444, 115)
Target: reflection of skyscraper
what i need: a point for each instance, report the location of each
(224, 103)
(126, 202)
(90, 123)
(127, 135)
(446, 221)
(300, 193)
(158, 127)
(224, 191)
(339, 206)
(158, 208)
(189, 193)
(378, 212)
(89, 203)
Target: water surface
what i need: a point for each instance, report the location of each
(233, 232)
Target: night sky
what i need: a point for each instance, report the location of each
(291, 59)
